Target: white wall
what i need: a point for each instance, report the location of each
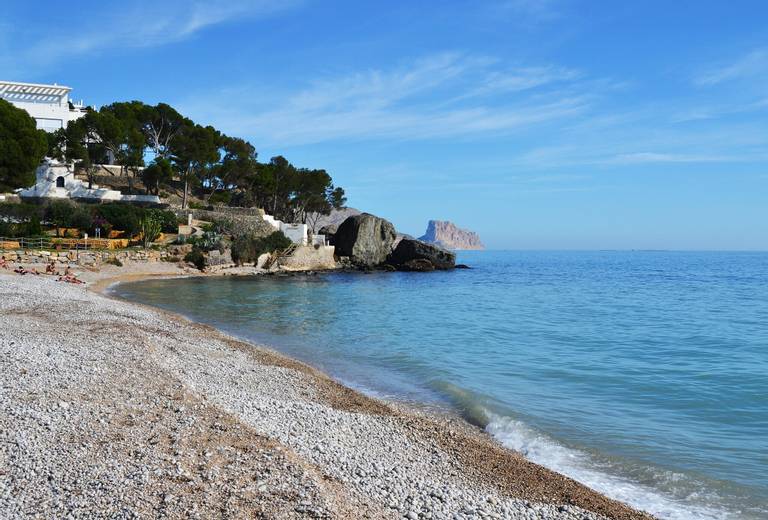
(51, 112)
(297, 233)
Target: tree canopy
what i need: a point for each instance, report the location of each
(206, 162)
(22, 147)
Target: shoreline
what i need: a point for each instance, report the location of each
(443, 450)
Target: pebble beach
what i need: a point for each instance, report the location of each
(113, 409)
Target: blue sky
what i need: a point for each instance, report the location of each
(539, 124)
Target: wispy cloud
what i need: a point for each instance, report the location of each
(752, 64)
(141, 24)
(444, 95)
(661, 157)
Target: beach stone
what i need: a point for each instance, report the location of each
(366, 239)
(410, 249)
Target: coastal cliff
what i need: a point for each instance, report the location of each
(445, 234)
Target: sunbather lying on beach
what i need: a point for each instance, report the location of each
(69, 277)
(20, 270)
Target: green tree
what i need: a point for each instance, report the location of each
(160, 124)
(195, 148)
(123, 136)
(314, 195)
(237, 164)
(58, 213)
(22, 147)
(158, 172)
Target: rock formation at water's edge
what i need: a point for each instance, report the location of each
(446, 234)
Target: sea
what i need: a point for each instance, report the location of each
(642, 374)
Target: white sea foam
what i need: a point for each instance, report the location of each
(578, 465)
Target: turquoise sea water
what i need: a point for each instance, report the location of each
(642, 374)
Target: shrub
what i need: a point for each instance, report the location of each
(81, 218)
(172, 259)
(20, 211)
(220, 197)
(115, 261)
(209, 241)
(33, 227)
(67, 214)
(166, 219)
(248, 248)
(150, 230)
(59, 213)
(197, 258)
(7, 229)
(123, 217)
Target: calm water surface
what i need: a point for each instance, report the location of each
(642, 374)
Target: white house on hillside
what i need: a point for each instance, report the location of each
(48, 104)
(52, 109)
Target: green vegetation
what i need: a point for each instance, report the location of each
(248, 248)
(150, 229)
(197, 258)
(22, 147)
(24, 220)
(204, 162)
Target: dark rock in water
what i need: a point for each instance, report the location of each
(409, 249)
(366, 239)
(388, 267)
(462, 266)
(420, 265)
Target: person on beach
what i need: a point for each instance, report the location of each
(20, 270)
(51, 269)
(69, 277)
(4, 263)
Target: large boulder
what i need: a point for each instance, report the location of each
(366, 239)
(410, 249)
(329, 232)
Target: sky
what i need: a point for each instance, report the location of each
(540, 124)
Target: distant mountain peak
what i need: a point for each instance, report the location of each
(445, 234)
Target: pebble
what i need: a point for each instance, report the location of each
(147, 397)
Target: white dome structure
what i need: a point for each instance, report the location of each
(56, 180)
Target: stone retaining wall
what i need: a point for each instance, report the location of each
(239, 223)
(93, 258)
(309, 258)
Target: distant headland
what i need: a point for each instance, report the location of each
(446, 234)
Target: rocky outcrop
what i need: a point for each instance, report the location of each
(446, 234)
(329, 232)
(366, 239)
(417, 264)
(410, 255)
(336, 217)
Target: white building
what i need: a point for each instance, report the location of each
(297, 233)
(56, 180)
(48, 104)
